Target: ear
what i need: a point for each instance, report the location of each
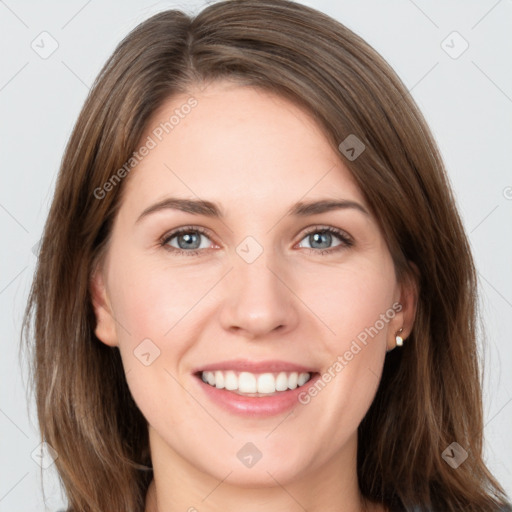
(408, 300)
(105, 329)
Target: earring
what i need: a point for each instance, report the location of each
(399, 340)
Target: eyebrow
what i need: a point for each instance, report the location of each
(211, 209)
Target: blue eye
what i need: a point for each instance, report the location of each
(321, 238)
(190, 241)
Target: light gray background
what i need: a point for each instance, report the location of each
(466, 100)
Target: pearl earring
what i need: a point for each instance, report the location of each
(399, 340)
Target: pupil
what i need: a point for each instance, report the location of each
(317, 238)
(191, 240)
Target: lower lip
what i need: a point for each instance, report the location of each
(260, 406)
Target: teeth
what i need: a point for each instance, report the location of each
(266, 383)
(292, 380)
(249, 383)
(231, 381)
(303, 378)
(282, 382)
(218, 380)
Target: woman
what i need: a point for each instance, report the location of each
(195, 349)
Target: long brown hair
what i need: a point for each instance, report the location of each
(430, 392)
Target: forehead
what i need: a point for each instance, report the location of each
(241, 146)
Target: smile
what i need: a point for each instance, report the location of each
(256, 389)
(254, 384)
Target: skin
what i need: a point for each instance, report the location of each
(255, 154)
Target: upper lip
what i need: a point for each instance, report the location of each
(246, 365)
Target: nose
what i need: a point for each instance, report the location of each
(259, 299)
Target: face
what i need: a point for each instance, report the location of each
(254, 289)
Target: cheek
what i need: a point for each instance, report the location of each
(351, 299)
(356, 305)
(151, 297)
(154, 307)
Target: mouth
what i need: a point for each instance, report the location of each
(255, 384)
(256, 389)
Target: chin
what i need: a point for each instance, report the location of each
(263, 473)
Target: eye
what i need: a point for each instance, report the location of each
(322, 238)
(187, 240)
(191, 241)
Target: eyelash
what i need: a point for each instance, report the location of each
(346, 241)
